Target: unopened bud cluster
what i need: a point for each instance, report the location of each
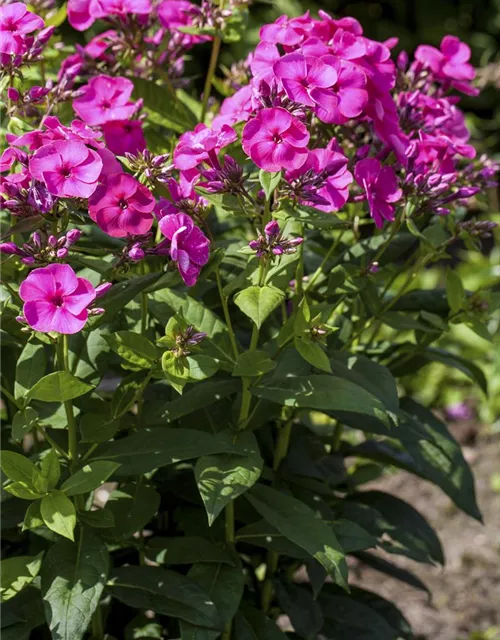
(272, 243)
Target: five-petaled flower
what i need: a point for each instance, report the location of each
(122, 206)
(105, 99)
(68, 168)
(276, 140)
(55, 299)
(16, 22)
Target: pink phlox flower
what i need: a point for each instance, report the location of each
(438, 153)
(122, 206)
(124, 136)
(55, 299)
(201, 145)
(329, 178)
(381, 188)
(83, 13)
(105, 99)
(16, 22)
(189, 247)
(326, 27)
(67, 168)
(301, 75)
(449, 64)
(275, 140)
(348, 97)
(287, 31)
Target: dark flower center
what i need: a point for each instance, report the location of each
(66, 172)
(122, 203)
(57, 300)
(277, 138)
(106, 104)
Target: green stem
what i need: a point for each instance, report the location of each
(52, 442)
(210, 74)
(144, 313)
(227, 317)
(337, 437)
(97, 626)
(9, 396)
(325, 260)
(280, 452)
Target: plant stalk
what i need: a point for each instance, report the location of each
(210, 74)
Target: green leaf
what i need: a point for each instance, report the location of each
(30, 223)
(258, 302)
(126, 394)
(455, 292)
(73, 579)
(253, 363)
(23, 491)
(168, 302)
(322, 392)
(223, 477)
(437, 455)
(224, 585)
(201, 367)
(121, 294)
(312, 353)
(153, 448)
(252, 624)
(386, 609)
(132, 507)
(59, 387)
(133, 347)
(166, 592)
(22, 614)
(310, 216)
(198, 397)
(59, 514)
(468, 368)
(23, 422)
(299, 605)
(186, 550)
(51, 469)
(94, 427)
(166, 108)
(58, 17)
(98, 519)
(90, 477)
(17, 573)
(401, 528)
(387, 568)
(300, 524)
(18, 468)
(269, 181)
(347, 618)
(30, 367)
(33, 518)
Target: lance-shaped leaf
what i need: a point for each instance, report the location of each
(30, 367)
(59, 514)
(89, 477)
(59, 387)
(300, 524)
(133, 347)
(167, 593)
(17, 573)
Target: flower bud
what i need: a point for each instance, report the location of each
(103, 289)
(13, 94)
(10, 249)
(72, 236)
(272, 229)
(62, 253)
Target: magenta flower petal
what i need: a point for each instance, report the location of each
(81, 297)
(35, 288)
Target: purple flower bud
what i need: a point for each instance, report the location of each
(98, 311)
(13, 94)
(72, 236)
(278, 250)
(52, 241)
(44, 36)
(459, 411)
(254, 244)
(28, 260)
(136, 253)
(103, 289)
(39, 198)
(295, 242)
(10, 249)
(402, 61)
(467, 192)
(374, 267)
(412, 150)
(36, 239)
(21, 319)
(434, 179)
(272, 229)
(62, 253)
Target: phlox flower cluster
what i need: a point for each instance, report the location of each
(316, 102)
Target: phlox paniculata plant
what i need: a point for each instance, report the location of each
(209, 312)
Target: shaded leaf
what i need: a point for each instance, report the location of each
(90, 477)
(258, 302)
(17, 573)
(59, 387)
